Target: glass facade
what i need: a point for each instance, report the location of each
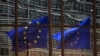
(74, 12)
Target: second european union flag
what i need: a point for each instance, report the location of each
(76, 37)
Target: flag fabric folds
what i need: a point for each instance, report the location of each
(80, 39)
(32, 37)
(76, 37)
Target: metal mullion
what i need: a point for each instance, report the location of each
(6, 25)
(16, 27)
(94, 42)
(62, 27)
(50, 25)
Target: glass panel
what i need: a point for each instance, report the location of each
(4, 51)
(5, 42)
(98, 13)
(55, 42)
(74, 12)
(6, 13)
(98, 25)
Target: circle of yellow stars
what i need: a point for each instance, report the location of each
(75, 41)
(38, 37)
(34, 41)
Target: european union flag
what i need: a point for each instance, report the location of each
(34, 37)
(77, 37)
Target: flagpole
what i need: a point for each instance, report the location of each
(16, 27)
(62, 27)
(50, 25)
(94, 29)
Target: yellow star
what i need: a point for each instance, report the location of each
(71, 44)
(25, 42)
(29, 44)
(25, 37)
(47, 36)
(24, 33)
(77, 38)
(75, 42)
(39, 31)
(30, 22)
(26, 27)
(35, 41)
(38, 22)
(38, 36)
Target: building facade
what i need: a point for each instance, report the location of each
(74, 12)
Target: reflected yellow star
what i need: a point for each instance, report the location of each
(38, 22)
(47, 36)
(25, 42)
(75, 42)
(77, 38)
(71, 44)
(38, 36)
(29, 44)
(25, 37)
(26, 27)
(35, 41)
(39, 31)
(30, 22)
(24, 33)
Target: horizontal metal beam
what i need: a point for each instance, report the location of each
(12, 25)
